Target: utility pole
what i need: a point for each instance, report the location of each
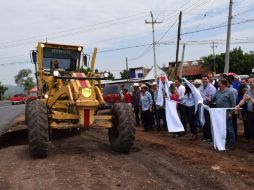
(226, 68)
(127, 67)
(181, 67)
(178, 42)
(214, 46)
(154, 43)
(126, 62)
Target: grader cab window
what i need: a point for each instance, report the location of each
(68, 59)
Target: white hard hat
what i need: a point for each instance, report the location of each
(154, 83)
(135, 84)
(144, 86)
(197, 81)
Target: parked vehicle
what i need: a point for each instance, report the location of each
(111, 93)
(32, 96)
(18, 99)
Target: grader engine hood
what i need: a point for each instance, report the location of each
(85, 100)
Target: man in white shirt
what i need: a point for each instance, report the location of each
(181, 91)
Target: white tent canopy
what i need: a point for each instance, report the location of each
(150, 74)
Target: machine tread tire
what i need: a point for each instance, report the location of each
(38, 136)
(122, 133)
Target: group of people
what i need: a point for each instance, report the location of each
(231, 93)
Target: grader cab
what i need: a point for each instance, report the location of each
(70, 99)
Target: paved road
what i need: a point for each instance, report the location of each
(8, 113)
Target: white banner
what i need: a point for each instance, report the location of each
(160, 99)
(167, 85)
(218, 127)
(173, 121)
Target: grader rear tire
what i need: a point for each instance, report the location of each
(38, 136)
(122, 133)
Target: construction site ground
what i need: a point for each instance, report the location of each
(84, 160)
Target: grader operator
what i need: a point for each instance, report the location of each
(70, 99)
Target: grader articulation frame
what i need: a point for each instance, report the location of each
(71, 99)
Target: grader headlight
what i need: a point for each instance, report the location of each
(86, 92)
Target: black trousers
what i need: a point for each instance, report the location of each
(250, 120)
(245, 124)
(234, 123)
(180, 109)
(136, 111)
(189, 117)
(146, 120)
(207, 127)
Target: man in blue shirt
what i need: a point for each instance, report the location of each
(225, 98)
(236, 82)
(146, 104)
(207, 91)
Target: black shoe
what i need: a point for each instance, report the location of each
(231, 147)
(251, 150)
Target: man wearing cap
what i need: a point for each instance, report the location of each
(135, 99)
(146, 104)
(237, 82)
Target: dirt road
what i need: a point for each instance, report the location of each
(158, 161)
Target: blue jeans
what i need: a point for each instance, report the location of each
(160, 114)
(230, 132)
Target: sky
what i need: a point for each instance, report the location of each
(116, 24)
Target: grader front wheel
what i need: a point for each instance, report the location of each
(38, 135)
(122, 133)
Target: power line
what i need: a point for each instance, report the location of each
(243, 12)
(123, 48)
(193, 42)
(149, 48)
(204, 16)
(16, 62)
(215, 27)
(170, 27)
(75, 29)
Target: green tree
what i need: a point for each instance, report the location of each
(125, 74)
(111, 76)
(2, 90)
(239, 62)
(24, 78)
(85, 70)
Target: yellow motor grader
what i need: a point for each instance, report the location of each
(70, 99)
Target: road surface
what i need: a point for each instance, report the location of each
(8, 113)
(158, 162)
